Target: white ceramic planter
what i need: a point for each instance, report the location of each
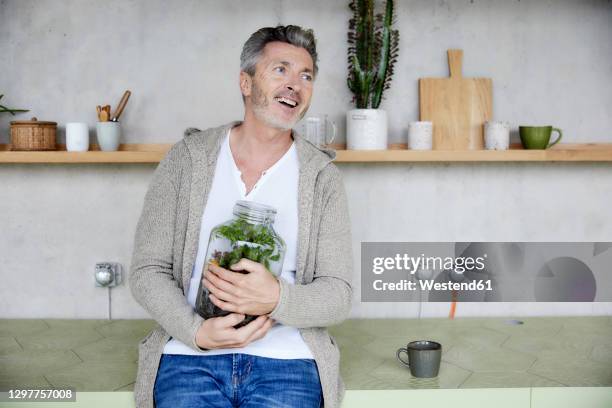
(366, 129)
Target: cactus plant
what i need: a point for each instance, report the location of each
(10, 110)
(372, 52)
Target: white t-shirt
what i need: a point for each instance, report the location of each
(278, 187)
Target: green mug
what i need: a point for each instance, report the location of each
(538, 137)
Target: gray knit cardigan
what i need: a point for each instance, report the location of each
(166, 244)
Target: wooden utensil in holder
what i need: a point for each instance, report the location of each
(121, 106)
(103, 116)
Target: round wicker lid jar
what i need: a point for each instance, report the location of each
(33, 135)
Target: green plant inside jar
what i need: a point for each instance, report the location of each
(250, 241)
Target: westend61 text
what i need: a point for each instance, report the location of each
(431, 285)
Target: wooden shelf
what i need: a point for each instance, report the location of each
(127, 153)
(153, 153)
(590, 152)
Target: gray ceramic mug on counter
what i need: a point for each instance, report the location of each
(423, 358)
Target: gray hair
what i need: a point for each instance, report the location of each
(290, 34)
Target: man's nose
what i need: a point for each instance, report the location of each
(293, 87)
(294, 84)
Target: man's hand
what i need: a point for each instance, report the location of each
(218, 332)
(254, 293)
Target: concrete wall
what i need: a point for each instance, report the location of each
(550, 62)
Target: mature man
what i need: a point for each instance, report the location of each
(285, 357)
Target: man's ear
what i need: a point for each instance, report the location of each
(245, 83)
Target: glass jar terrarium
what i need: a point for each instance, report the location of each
(248, 234)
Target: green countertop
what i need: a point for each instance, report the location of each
(101, 355)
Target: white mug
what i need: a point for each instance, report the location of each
(77, 137)
(420, 135)
(319, 130)
(497, 135)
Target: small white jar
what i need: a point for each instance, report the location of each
(497, 135)
(420, 135)
(77, 137)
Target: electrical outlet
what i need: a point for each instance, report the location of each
(107, 274)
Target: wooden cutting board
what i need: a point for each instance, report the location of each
(457, 106)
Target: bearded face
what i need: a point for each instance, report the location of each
(281, 111)
(281, 88)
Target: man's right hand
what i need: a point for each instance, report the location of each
(219, 332)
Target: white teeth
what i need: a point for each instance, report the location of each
(287, 101)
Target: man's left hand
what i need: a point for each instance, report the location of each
(253, 293)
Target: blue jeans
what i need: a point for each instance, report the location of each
(236, 380)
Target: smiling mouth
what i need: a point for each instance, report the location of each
(290, 103)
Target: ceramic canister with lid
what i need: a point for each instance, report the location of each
(33, 135)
